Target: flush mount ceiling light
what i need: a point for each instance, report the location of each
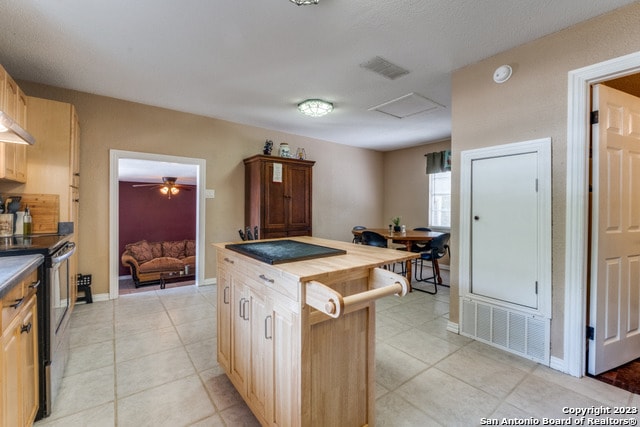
(315, 107)
(304, 2)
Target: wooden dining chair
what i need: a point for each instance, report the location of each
(439, 247)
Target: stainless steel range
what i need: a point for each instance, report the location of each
(53, 307)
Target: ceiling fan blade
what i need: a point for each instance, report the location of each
(147, 185)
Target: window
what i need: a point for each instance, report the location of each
(440, 199)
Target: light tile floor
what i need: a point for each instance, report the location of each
(149, 359)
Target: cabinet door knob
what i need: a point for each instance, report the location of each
(17, 303)
(266, 279)
(25, 328)
(225, 295)
(267, 330)
(35, 284)
(241, 308)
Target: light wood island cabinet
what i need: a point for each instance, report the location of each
(297, 339)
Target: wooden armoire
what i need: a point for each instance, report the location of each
(278, 196)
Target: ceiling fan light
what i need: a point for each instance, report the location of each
(175, 190)
(164, 190)
(304, 2)
(315, 107)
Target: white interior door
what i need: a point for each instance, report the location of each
(614, 309)
(504, 228)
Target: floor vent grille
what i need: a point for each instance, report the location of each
(519, 333)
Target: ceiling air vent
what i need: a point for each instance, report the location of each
(384, 68)
(407, 105)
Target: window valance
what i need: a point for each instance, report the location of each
(439, 161)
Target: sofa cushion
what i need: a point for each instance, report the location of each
(190, 248)
(173, 249)
(141, 251)
(161, 264)
(156, 249)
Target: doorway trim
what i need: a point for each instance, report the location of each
(114, 201)
(577, 204)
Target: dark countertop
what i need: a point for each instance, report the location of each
(280, 251)
(13, 269)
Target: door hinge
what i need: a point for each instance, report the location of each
(536, 287)
(536, 185)
(590, 333)
(594, 117)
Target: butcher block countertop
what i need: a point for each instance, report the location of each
(356, 257)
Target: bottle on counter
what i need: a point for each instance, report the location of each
(26, 222)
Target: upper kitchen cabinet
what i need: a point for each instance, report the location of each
(54, 166)
(13, 157)
(54, 162)
(278, 196)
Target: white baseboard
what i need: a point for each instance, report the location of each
(105, 297)
(453, 327)
(558, 364)
(210, 281)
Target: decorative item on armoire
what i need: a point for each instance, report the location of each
(284, 150)
(268, 146)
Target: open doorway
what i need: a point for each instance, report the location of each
(577, 208)
(132, 165)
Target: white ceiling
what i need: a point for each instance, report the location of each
(252, 61)
(138, 170)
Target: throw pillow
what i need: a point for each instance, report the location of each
(141, 251)
(173, 249)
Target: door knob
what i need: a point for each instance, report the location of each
(476, 217)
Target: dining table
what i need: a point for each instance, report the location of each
(407, 238)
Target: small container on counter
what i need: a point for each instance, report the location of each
(27, 225)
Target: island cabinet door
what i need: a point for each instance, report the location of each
(284, 408)
(224, 318)
(240, 333)
(261, 351)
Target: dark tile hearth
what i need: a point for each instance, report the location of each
(626, 377)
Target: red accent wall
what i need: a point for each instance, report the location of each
(145, 213)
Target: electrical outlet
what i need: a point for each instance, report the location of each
(209, 194)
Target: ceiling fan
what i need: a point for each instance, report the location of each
(168, 186)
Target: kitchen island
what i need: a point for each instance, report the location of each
(297, 339)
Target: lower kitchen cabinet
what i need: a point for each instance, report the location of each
(256, 343)
(19, 357)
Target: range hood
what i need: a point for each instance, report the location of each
(10, 131)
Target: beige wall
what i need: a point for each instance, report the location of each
(347, 181)
(406, 184)
(533, 104)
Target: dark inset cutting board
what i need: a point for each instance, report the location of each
(281, 251)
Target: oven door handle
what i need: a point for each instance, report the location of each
(70, 249)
